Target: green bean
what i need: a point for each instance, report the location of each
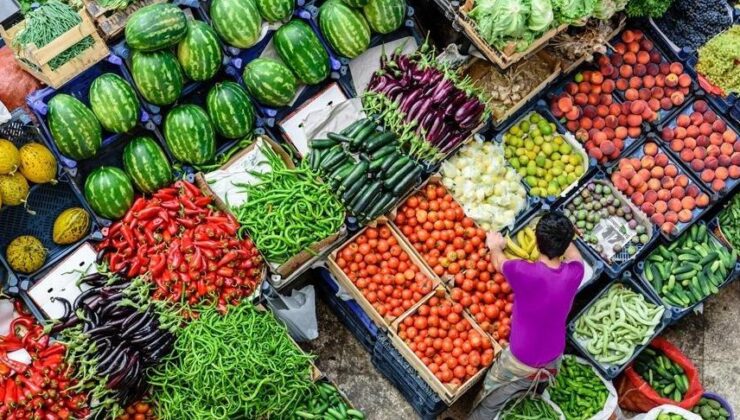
(528, 408)
(578, 390)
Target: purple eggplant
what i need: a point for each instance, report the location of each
(433, 135)
(423, 109)
(409, 99)
(427, 120)
(466, 109)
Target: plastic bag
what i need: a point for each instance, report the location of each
(522, 395)
(635, 394)
(667, 408)
(15, 83)
(611, 407)
(297, 311)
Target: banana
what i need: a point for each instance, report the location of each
(516, 249)
(521, 239)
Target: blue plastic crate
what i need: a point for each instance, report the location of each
(348, 311)
(389, 362)
(622, 260)
(47, 201)
(611, 371)
(675, 311)
(79, 87)
(734, 113)
(730, 183)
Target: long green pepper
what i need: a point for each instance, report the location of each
(529, 408)
(578, 390)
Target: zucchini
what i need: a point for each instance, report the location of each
(361, 135)
(378, 141)
(333, 160)
(342, 160)
(342, 171)
(366, 197)
(351, 192)
(338, 137)
(387, 163)
(393, 178)
(358, 171)
(408, 181)
(322, 143)
(395, 167)
(376, 165)
(379, 206)
(361, 193)
(383, 151)
(353, 128)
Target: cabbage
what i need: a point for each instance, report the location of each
(605, 9)
(507, 23)
(541, 16)
(573, 11)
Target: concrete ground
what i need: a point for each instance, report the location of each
(711, 340)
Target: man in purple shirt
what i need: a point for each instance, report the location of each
(543, 295)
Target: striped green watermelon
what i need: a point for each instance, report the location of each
(275, 10)
(73, 126)
(114, 103)
(355, 3)
(270, 81)
(237, 22)
(345, 28)
(200, 52)
(147, 165)
(157, 75)
(300, 48)
(385, 16)
(189, 134)
(155, 27)
(230, 110)
(108, 190)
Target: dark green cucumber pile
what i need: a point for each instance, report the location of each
(665, 376)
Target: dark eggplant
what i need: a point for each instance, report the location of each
(466, 109)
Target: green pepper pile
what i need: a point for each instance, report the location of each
(665, 376)
(528, 408)
(325, 402)
(729, 222)
(578, 390)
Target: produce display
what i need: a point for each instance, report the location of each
(546, 160)
(190, 250)
(665, 376)
(528, 407)
(370, 187)
(431, 110)
(32, 163)
(691, 23)
(325, 400)
(616, 324)
(717, 61)
(199, 53)
(575, 377)
(25, 254)
(691, 268)
(114, 103)
(445, 340)
(488, 189)
(75, 129)
(662, 191)
(706, 144)
(729, 223)
(708, 408)
(383, 271)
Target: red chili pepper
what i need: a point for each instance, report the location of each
(149, 236)
(165, 193)
(159, 267)
(195, 261)
(228, 257)
(192, 189)
(203, 201)
(225, 272)
(148, 213)
(170, 205)
(128, 235)
(207, 244)
(10, 393)
(114, 229)
(188, 223)
(172, 229)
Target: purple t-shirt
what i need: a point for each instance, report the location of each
(543, 297)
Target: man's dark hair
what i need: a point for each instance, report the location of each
(554, 233)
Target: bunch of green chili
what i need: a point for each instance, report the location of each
(528, 408)
(47, 23)
(242, 365)
(287, 210)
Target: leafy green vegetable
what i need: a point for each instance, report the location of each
(648, 8)
(605, 9)
(718, 60)
(573, 11)
(541, 17)
(512, 25)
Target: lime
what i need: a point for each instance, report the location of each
(563, 180)
(565, 148)
(547, 149)
(544, 128)
(553, 189)
(523, 158)
(514, 161)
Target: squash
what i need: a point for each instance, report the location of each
(70, 226)
(26, 254)
(13, 189)
(37, 163)
(9, 157)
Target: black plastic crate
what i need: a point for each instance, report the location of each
(21, 131)
(723, 103)
(7, 279)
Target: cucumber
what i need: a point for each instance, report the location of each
(342, 172)
(379, 141)
(380, 204)
(352, 129)
(332, 161)
(393, 178)
(376, 165)
(383, 151)
(366, 197)
(407, 182)
(395, 167)
(339, 138)
(387, 163)
(350, 193)
(361, 193)
(361, 135)
(354, 176)
(322, 143)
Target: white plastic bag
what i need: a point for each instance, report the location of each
(4, 114)
(297, 311)
(667, 408)
(521, 395)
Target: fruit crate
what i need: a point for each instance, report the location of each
(730, 183)
(349, 312)
(540, 108)
(611, 371)
(20, 130)
(389, 362)
(111, 22)
(79, 88)
(677, 312)
(35, 60)
(621, 260)
(593, 265)
(723, 103)
(697, 212)
(44, 203)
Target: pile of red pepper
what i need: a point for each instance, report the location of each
(190, 249)
(40, 390)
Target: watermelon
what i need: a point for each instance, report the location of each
(230, 110)
(189, 134)
(300, 49)
(385, 16)
(73, 126)
(155, 27)
(345, 28)
(157, 75)
(355, 3)
(109, 191)
(114, 103)
(275, 10)
(270, 81)
(147, 165)
(237, 22)
(200, 52)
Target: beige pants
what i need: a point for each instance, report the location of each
(507, 377)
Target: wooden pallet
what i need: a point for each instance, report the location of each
(36, 60)
(111, 23)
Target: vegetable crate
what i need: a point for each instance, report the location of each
(111, 22)
(727, 104)
(384, 322)
(392, 365)
(686, 160)
(613, 231)
(79, 87)
(611, 370)
(44, 203)
(502, 59)
(618, 22)
(682, 271)
(447, 392)
(349, 312)
(35, 60)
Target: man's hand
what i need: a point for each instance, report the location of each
(495, 241)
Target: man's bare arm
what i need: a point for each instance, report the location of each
(572, 254)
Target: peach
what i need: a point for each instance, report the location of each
(584, 87)
(611, 121)
(693, 131)
(702, 200)
(634, 120)
(654, 104)
(706, 129)
(609, 133)
(667, 182)
(692, 191)
(710, 116)
(643, 57)
(680, 133)
(697, 165)
(665, 68)
(621, 84)
(648, 208)
(716, 139)
(671, 216)
(687, 155)
(650, 149)
(644, 174)
(682, 180)
(635, 163)
(724, 161)
(635, 82)
(668, 228)
(594, 98)
(607, 70)
(684, 216)
(666, 103)
(631, 94)
(625, 70)
(667, 133)
(696, 118)
(711, 162)
(678, 192)
(586, 123)
(607, 148)
(689, 143)
(701, 105)
(580, 99)
(621, 132)
(677, 145)
(707, 175)
(684, 80)
(595, 153)
(657, 218)
(657, 92)
(718, 185)
(688, 203)
(726, 149)
(734, 171)
(683, 120)
(651, 196)
(661, 206)
(608, 86)
(637, 107)
(653, 69)
(599, 123)
(664, 195)
(644, 94)
(718, 125)
(657, 172)
(671, 170)
(676, 68)
(648, 161)
(674, 204)
(602, 110)
(729, 136)
(653, 184)
(661, 159)
(735, 158)
(573, 114)
(721, 173)
(630, 57)
(702, 141)
(677, 98)
(671, 80)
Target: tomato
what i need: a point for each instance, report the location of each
(459, 372)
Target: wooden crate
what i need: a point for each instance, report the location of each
(448, 393)
(41, 57)
(111, 23)
(621, 20)
(347, 285)
(502, 59)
